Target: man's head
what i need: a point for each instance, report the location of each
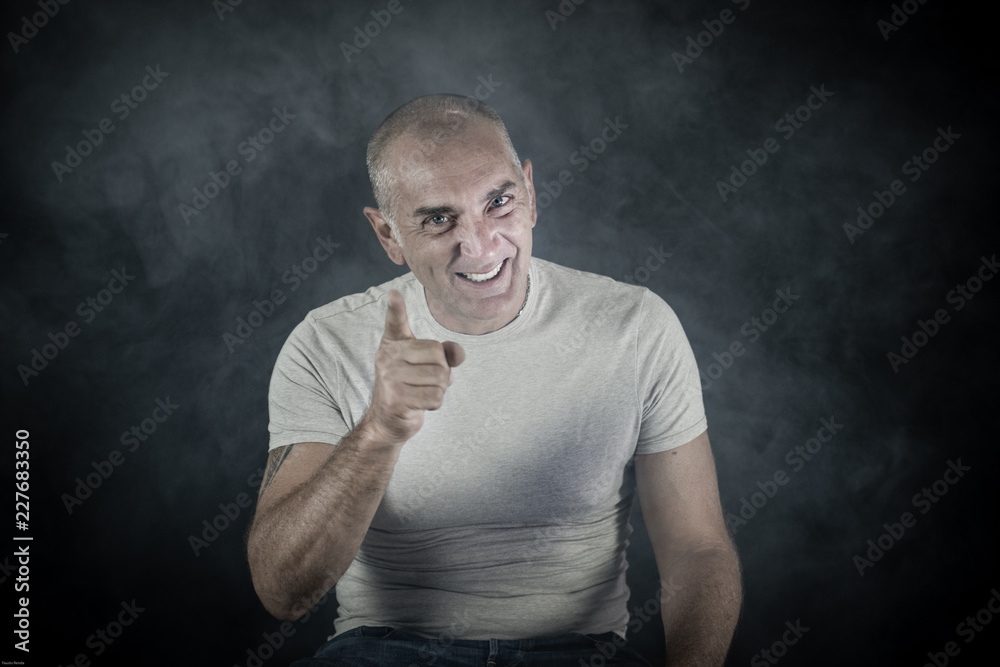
(453, 201)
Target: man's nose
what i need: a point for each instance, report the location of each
(476, 237)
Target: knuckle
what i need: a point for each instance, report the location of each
(439, 352)
(388, 352)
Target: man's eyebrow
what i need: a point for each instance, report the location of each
(425, 211)
(496, 192)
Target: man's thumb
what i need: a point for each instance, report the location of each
(453, 353)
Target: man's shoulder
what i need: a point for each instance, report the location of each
(586, 286)
(358, 311)
(605, 303)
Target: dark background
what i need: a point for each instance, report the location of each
(655, 185)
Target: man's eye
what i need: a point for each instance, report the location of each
(500, 201)
(437, 219)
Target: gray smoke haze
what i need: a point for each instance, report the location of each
(681, 124)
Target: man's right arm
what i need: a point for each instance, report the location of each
(317, 500)
(315, 505)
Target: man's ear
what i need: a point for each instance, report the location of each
(385, 236)
(526, 168)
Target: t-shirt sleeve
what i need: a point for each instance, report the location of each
(667, 380)
(301, 403)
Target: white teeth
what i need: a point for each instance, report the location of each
(480, 277)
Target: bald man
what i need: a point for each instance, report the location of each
(457, 450)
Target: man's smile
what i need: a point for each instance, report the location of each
(482, 277)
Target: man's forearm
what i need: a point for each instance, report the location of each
(301, 546)
(701, 602)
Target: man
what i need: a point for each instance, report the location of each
(456, 449)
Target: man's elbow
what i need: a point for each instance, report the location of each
(717, 556)
(281, 607)
(725, 557)
(278, 598)
(270, 592)
(285, 585)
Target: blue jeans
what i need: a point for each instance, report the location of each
(387, 647)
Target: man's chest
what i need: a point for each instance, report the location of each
(517, 443)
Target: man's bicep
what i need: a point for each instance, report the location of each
(679, 496)
(288, 467)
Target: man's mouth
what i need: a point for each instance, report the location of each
(483, 277)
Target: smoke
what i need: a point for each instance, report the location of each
(242, 151)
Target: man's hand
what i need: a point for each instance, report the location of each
(411, 376)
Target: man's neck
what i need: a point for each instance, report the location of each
(474, 331)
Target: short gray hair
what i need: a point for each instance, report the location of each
(431, 119)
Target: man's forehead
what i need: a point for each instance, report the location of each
(447, 169)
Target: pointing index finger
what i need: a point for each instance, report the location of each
(397, 325)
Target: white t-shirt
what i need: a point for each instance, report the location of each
(507, 514)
